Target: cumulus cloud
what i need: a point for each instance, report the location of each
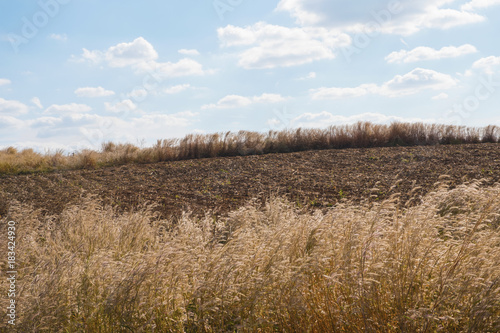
(139, 94)
(123, 54)
(45, 121)
(311, 75)
(4, 82)
(427, 53)
(92, 92)
(72, 108)
(236, 101)
(269, 46)
(123, 106)
(37, 102)
(10, 122)
(155, 120)
(73, 131)
(479, 4)
(404, 17)
(142, 57)
(417, 80)
(90, 130)
(325, 119)
(440, 96)
(229, 102)
(190, 52)
(176, 89)
(12, 107)
(487, 64)
(184, 67)
(411, 83)
(340, 92)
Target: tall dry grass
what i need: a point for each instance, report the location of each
(433, 267)
(359, 135)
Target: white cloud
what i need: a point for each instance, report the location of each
(123, 106)
(90, 130)
(325, 119)
(142, 57)
(12, 107)
(128, 54)
(427, 53)
(236, 101)
(93, 57)
(487, 64)
(338, 92)
(123, 54)
(156, 120)
(440, 96)
(269, 98)
(176, 89)
(37, 102)
(45, 121)
(311, 75)
(415, 81)
(10, 122)
(479, 4)
(4, 82)
(139, 94)
(73, 132)
(411, 83)
(190, 52)
(72, 108)
(184, 67)
(229, 102)
(270, 46)
(59, 37)
(92, 92)
(405, 18)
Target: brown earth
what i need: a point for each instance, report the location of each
(312, 178)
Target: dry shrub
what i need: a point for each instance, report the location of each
(27, 160)
(193, 146)
(354, 268)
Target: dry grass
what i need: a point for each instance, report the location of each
(360, 135)
(355, 268)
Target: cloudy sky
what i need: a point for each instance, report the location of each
(76, 73)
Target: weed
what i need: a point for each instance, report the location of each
(274, 268)
(360, 135)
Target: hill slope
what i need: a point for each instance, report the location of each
(318, 178)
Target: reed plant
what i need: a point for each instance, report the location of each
(194, 146)
(369, 267)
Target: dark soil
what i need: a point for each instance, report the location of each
(312, 178)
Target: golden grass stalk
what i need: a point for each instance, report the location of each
(434, 267)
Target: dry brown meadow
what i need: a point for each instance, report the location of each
(362, 228)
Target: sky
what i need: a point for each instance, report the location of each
(77, 73)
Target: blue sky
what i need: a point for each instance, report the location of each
(76, 73)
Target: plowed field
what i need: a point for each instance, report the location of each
(312, 178)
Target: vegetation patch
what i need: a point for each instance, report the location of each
(354, 267)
